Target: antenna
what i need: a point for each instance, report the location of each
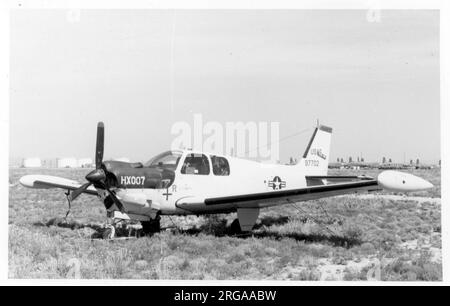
(279, 140)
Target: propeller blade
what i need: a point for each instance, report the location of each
(116, 200)
(78, 191)
(100, 145)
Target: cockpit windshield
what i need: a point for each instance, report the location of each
(166, 159)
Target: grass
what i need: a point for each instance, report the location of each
(340, 242)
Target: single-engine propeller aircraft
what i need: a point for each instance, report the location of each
(189, 182)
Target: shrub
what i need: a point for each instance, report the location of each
(352, 274)
(403, 270)
(307, 275)
(236, 257)
(367, 248)
(184, 265)
(352, 234)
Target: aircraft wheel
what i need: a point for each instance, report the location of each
(152, 226)
(235, 227)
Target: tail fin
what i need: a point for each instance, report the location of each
(317, 154)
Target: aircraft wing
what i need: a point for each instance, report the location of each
(301, 194)
(48, 181)
(325, 186)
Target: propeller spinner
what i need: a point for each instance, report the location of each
(97, 177)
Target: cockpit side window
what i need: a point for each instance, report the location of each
(197, 164)
(167, 159)
(220, 165)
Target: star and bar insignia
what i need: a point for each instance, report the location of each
(277, 183)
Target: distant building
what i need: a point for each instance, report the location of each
(85, 163)
(66, 162)
(34, 162)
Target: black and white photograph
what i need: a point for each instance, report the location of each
(271, 145)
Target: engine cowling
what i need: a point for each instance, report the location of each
(134, 175)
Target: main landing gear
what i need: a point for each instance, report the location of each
(235, 227)
(109, 231)
(152, 226)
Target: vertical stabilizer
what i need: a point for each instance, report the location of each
(317, 155)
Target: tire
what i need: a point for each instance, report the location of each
(109, 233)
(151, 227)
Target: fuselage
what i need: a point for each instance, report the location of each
(192, 176)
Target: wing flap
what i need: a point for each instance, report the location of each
(48, 181)
(302, 194)
(320, 180)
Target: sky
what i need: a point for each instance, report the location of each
(141, 71)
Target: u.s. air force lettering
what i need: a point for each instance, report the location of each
(319, 153)
(132, 180)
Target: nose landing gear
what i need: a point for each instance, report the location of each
(109, 232)
(120, 224)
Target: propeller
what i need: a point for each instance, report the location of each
(97, 177)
